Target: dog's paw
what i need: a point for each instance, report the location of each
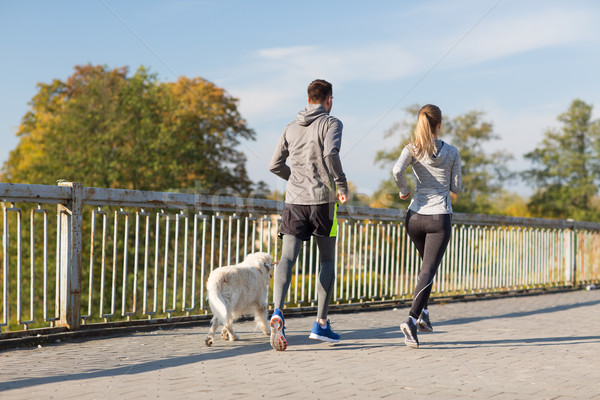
(225, 335)
(208, 341)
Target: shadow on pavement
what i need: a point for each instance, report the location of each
(519, 314)
(546, 341)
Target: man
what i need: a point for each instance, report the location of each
(311, 146)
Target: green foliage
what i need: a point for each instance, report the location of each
(483, 173)
(566, 167)
(104, 128)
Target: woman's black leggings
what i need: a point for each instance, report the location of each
(430, 234)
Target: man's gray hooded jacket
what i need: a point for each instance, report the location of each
(311, 145)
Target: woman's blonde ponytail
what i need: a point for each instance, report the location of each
(423, 141)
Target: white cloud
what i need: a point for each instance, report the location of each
(510, 35)
(280, 70)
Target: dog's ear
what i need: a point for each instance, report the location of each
(270, 264)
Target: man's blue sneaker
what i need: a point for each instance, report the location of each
(278, 340)
(324, 334)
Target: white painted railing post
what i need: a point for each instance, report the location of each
(70, 220)
(571, 254)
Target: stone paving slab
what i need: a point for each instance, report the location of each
(529, 347)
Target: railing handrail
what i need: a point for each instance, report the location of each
(28, 193)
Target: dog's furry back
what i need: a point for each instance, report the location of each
(234, 291)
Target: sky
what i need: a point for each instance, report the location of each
(520, 62)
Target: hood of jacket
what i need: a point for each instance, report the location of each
(310, 113)
(437, 158)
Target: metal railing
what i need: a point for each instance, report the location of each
(123, 255)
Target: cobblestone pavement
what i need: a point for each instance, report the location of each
(531, 347)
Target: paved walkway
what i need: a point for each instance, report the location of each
(534, 347)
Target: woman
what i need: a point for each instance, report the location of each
(436, 166)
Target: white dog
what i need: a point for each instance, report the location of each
(238, 290)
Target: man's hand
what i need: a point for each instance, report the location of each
(342, 198)
(405, 197)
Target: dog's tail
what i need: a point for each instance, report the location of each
(217, 305)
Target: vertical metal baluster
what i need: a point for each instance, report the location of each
(253, 243)
(542, 267)
(19, 262)
(246, 222)
(393, 259)
(202, 261)
(529, 281)
(221, 238)
(369, 239)
(462, 276)
(146, 259)
(471, 268)
(156, 264)
(114, 268)
(377, 279)
(176, 262)
(185, 266)
(261, 234)
(360, 260)
(386, 269)
(478, 268)
(103, 261)
(229, 242)
(125, 257)
(486, 265)
(455, 259)
(555, 254)
(195, 260)
(91, 278)
(212, 243)
(238, 237)
(5, 263)
(493, 257)
(166, 266)
(46, 269)
(532, 248)
(351, 277)
(269, 230)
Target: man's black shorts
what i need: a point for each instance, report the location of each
(302, 221)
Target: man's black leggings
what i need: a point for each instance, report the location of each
(430, 234)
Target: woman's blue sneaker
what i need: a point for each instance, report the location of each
(278, 340)
(324, 334)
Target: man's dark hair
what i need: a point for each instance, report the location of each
(319, 90)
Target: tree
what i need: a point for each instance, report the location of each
(483, 174)
(104, 128)
(565, 167)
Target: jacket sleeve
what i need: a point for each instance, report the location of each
(278, 165)
(456, 184)
(331, 154)
(403, 162)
